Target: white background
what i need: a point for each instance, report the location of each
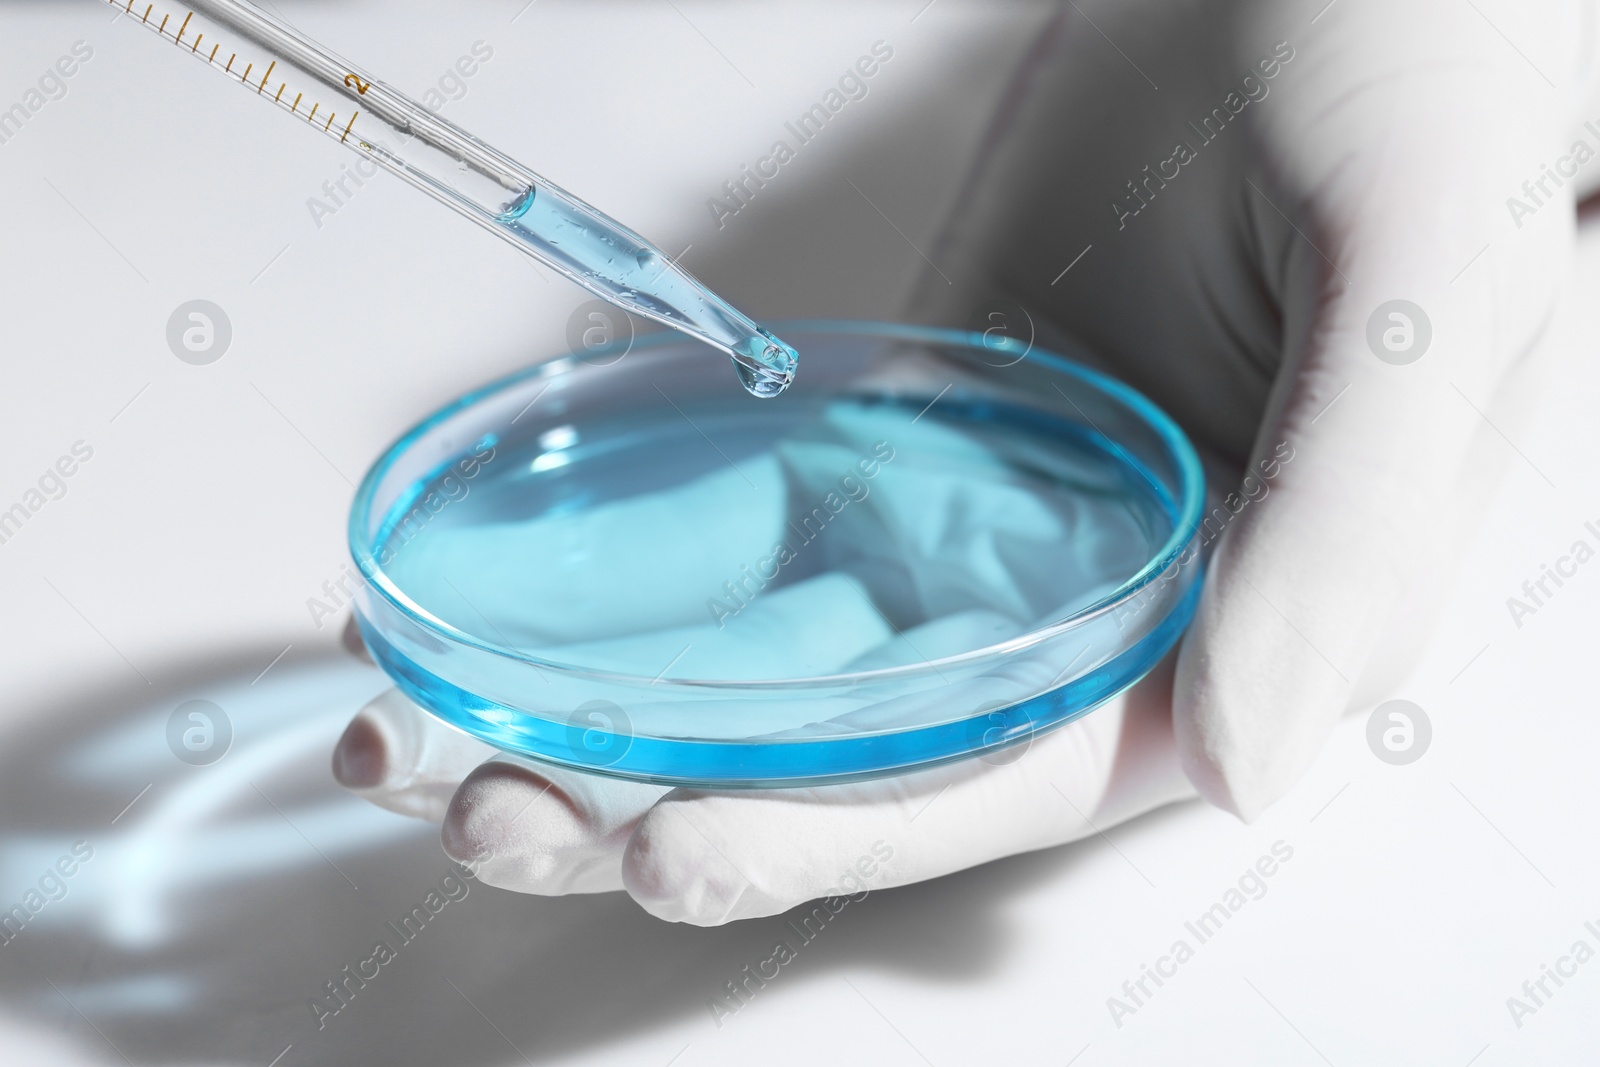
(178, 566)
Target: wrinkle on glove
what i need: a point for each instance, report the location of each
(947, 527)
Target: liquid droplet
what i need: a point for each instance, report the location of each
(765, 365)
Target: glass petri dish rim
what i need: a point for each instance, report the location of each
(1190, 499)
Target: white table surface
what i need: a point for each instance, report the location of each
(1418, 898)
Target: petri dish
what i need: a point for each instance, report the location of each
(933, 546)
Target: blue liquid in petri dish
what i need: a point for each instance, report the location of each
(752, 543)
(925, 550)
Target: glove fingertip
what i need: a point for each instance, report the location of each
(672, 870)
(1246, 731)
(361, 757)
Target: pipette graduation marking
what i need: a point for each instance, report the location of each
(465, 174)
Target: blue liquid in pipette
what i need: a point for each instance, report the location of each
(627, 270)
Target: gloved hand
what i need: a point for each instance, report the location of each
(1292, 191)
(1244, 231)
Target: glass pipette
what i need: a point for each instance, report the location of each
(340, 99)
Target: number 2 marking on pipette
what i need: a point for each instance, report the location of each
(351, 81)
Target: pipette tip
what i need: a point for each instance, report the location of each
(765, 364)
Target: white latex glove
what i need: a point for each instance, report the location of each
(1236, 291)
(1392, 139)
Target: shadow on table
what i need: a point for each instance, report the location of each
(217, 900)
